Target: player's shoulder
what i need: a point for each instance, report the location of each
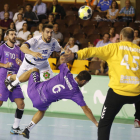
(53, 40)
(36, 38)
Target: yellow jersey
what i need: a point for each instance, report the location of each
(124, 65)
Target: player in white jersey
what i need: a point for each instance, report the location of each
(37, 51)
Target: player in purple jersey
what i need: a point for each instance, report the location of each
(10, 58)
(62, 86)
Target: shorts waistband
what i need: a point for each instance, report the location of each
(29, 61)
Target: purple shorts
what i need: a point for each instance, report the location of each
(5, 93)
(34, 91)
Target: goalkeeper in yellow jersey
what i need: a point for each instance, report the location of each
(124, 72)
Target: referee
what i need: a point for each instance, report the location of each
(124, 72)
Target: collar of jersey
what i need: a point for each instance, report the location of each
(9, 46)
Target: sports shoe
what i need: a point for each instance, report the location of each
(8, 84)
(25, 133)
(16, 131)
(137, 123)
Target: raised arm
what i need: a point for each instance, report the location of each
(89, 114)
(25, 49)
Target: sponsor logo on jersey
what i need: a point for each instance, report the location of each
(0, 95)
(53, 45)
(44, 51)
(46, 75)
(57, 88)
(6, 54)
(68, 83)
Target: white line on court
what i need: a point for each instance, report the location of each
(51, 125)
(65, 125)
(78, 126)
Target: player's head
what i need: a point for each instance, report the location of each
(11, 35)
(82, 78)
(127, 34)
(47, 32)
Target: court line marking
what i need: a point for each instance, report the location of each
(79, 126)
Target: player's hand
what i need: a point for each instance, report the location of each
(68, 56)
(8, 65)
(96, 124)
(18, 61)
(37, 55)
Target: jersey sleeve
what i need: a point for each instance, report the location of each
(21, 55)
(1, 52)
(104, 53)
(64, 68)
(78, 99)
(57, 46)
(31, 42)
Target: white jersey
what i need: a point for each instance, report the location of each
(36, 44)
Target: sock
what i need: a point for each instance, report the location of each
(18, 116)
(16, 82)
(8, 78)
(31, 126)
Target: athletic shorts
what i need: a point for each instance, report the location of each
(45, 70)
(5, 93)
(34, 92)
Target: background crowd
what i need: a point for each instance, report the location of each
(70, 31)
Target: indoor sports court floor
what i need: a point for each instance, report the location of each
(55, 128)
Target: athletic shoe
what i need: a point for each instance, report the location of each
(25, 133)
(16, 131)
(8, 84)
(137, 123)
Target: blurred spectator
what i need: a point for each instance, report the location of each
(56, 34)
(40, 9)
(6, 9)
(11, 26)
(20, 11)
(103, 69)
(104, 5)
(113, 12)
(105, 40)
(30, 16)
(19, 22)
(1, 40)
(22, 35)
(113, 36)
(29, 36)
(50, 19)
(92, 3)
(39, 32)
(117, 40)
(136, 37)
(57, 10)
(5, 23)
(71, 45)
(127, 12)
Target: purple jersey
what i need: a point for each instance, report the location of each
(8, 54)
(62, 86)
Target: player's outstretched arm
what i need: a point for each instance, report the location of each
(89, 114)
(25, 49)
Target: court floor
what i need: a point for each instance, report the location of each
(51, 128)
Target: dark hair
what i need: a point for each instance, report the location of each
(20, 7)
(7, 32)
(14, 26)
(106, 34)
(55, 23)
(51, 15)
(116, 4)
(19, 14)
(25, 23)
(29, 5)
(6, 3)
(84, 75)
(50, 26)
(128, 33)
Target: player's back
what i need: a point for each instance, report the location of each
(124, 68)
(62, 86)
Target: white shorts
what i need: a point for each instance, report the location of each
(45, 70)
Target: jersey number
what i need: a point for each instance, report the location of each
(57, 88)
(124, 62)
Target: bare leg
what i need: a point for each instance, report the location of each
(13, 77)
